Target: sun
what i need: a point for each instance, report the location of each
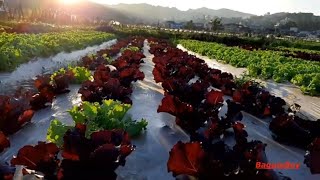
(70, 1)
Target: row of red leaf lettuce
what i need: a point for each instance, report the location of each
(194, 95)
(93, 154)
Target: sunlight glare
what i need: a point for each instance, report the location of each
(69, 1)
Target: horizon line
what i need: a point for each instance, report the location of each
(110, 4)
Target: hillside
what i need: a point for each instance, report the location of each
(146, 13)
(159, 13)
(84, 8)
(226, 13)
(303, 21)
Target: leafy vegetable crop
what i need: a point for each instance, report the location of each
(81, 74)
(15, 111)
(4, 142)
(94, 117)
(97, 144)
(96, 157)
(114, 82)
(190, 96)
(75, 75)
(20, 48)
(18, 109)
(130, 48)
(261, 63)
(104, 56)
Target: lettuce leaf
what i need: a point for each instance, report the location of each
(56, 132)
(107, 116)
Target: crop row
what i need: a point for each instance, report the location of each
(264, 64)
(194, 93)
(16, 49)
(191, 96)
(306, 50)
(19, 108)
(98, 143)
(255, 42)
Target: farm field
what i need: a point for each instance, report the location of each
(288, 91)
(264, 64)
(20, 48)
(159, 90)
(140, 108)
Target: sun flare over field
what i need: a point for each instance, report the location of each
(69, 1)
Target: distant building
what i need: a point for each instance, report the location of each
(173, 25)
(256, 28)
(199, 25)
(167, 24)
(308, 34)
(208, 26)
(284, 21)
(116, 23)
(236, 28)
(304, 33)
(294, 29)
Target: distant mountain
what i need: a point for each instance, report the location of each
(303, 21)
(226, 13)
(158, 13)
(145, 13)
(90, 9)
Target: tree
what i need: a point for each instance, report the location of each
(216, 24)
(2, 4)
(18, 9)
(190, 25)
(288, 24)
(35, 8)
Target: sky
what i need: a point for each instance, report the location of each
(257, 7)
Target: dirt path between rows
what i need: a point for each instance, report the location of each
(149, 160)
